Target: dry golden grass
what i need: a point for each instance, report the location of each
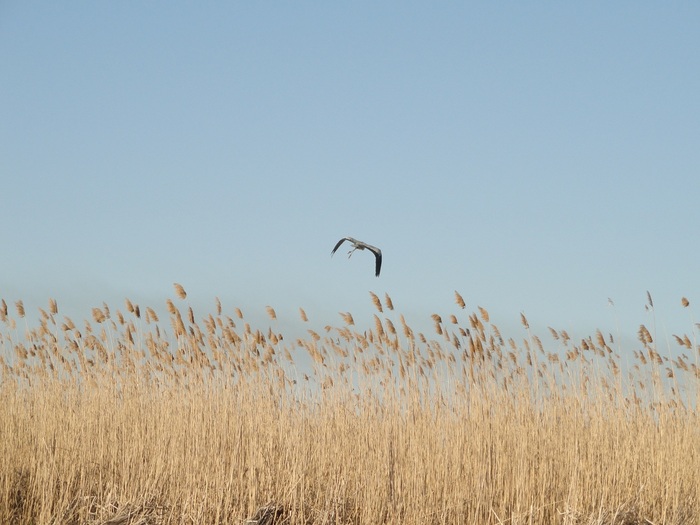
(127, 421)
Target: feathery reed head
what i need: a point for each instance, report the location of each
(180, 291)
(376, 302)
(459, 300)
(389, 303)
(347, 318)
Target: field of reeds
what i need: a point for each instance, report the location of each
(126, 418)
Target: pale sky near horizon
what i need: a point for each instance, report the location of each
(536, 157)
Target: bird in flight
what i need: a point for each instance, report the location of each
(359, 245)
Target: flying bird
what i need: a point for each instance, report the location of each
(359, 245)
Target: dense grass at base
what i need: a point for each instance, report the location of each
(212, 421)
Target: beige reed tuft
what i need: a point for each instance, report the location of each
(459, 300)
(180, 291)
(389, 303)
(302, 315)
(376, 302)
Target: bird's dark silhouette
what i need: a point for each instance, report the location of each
(359, 245)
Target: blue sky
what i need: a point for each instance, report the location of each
(537, 157)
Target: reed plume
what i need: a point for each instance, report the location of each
(180, 291)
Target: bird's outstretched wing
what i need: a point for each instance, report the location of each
(378, 266)
(341, 241)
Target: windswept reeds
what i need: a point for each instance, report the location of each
(126, 420)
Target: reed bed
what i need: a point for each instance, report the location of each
(129, 419)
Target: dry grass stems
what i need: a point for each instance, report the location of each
(127, 420)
